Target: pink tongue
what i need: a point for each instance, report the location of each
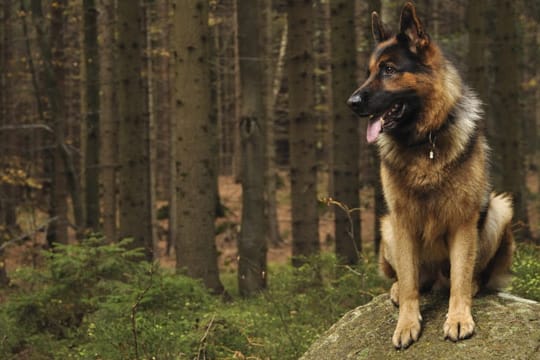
(373, 130)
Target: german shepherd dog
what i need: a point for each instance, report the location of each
(444, 223)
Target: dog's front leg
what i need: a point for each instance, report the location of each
(407, 263)
(459, 323)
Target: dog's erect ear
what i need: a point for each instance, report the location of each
(411, 27)
(377, 28)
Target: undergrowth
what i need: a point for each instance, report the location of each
(526, 271)
(93, 301)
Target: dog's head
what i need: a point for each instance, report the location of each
(399, 75)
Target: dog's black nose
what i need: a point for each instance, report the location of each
(357, 100)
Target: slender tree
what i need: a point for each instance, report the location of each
(303, 136)
(272, 79)
(506, 106)
(91, 107)
(55, 78)
(5, 11)
(237, 162)
(148, 81)
(252, 246)
(537, 116)
(477, 71)
(346, 142)
(195, 144)
(161, 86)
(173, 193)
(133, 133)
(108, 153)
(323, 89)
(57, 63)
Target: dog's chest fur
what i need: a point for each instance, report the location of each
(451, 186)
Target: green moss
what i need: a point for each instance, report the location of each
(526, 269)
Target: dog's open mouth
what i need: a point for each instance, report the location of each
(386, 120)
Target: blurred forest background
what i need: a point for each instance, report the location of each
(215, 136)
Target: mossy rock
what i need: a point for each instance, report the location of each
(507, 327)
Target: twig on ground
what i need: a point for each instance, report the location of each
(202, 342)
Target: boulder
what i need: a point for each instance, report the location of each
(507, 327)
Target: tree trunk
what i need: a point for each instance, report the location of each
(6, 207)
(134, 173)
(346, 145)
(536, 154)
(91, 151)
(148, 79)
(56, 82)
(195, 144)
(323, 91)
(506, 110)
(303, 135)
(237, 161)
(108, 115)
(162, 96)
(172, 236)
(476, 68)
(252, 242)
(226, 74)
(272, 76)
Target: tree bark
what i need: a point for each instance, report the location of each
(162, 96)
(508, 145)
(536, 154)
(252, 246)
(108, 115)
(323, 90)
(346, 140)
(303, 135)
(237, 162)
(134, 173)
(6, 207)
(477, 73)
(91, 100)
(273, 74)
(56, 81)
(195, 144)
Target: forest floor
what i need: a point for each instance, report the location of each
(229, 226)
(27, 254)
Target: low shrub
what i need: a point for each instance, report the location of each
(100, 301)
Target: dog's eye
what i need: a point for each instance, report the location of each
(388, 70)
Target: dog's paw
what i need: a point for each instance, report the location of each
(407, 331)
(394, 293)
(458, 326)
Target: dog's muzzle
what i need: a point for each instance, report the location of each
(358, 103)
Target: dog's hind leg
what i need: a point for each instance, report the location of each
(496, 245)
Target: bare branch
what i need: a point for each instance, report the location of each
(29, 235)
(26, 127)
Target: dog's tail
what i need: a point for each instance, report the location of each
(497, 234)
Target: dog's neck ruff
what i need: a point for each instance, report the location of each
(446, 142)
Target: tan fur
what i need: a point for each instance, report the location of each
(431, 233)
